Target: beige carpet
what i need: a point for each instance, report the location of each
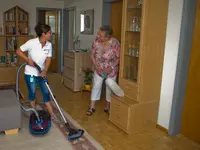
(53, 140)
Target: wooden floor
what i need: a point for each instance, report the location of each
(105, 132)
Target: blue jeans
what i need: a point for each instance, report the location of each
(31, 85)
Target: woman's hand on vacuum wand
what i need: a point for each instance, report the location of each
(43, 74)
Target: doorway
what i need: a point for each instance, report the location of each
(112, 15)
(191, 121)
(52, 17)
(184, 117)
(116, 19)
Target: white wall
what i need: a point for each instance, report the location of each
(30, 6)
(170, 61)
(86, 40)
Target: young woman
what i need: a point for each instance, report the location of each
(39, 51)
(105, 57)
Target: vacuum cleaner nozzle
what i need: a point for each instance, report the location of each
(74, 134)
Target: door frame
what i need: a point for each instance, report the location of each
(65, 30)
(60, 29)
(183, 61)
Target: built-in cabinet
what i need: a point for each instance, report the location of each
(141, 61)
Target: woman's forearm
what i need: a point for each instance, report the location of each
(47, 64)
(21, 54)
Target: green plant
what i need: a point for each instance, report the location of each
(76, 43)
(88, 75)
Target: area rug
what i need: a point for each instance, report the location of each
(58, 132)
(86, 142)
(24, 140)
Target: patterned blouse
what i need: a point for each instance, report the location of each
(106, 56)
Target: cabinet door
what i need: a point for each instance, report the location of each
(2, 46)
(130, 48)
(132, 11)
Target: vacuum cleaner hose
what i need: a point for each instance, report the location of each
(17, 92)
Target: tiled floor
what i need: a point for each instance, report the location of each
(105, 132)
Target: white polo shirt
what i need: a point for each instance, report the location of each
(37, 54)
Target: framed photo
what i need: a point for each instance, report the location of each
(87, 22)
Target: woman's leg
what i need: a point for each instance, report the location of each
(31, 85)
(108, 96)
(46, 96)
(96, 92)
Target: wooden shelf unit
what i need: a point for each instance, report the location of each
(141, 62)
(16, 22)
(16, 33)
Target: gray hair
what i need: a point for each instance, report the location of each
(107, 29)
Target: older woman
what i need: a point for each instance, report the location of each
(105, 54)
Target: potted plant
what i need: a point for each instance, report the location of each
(76, 43)
(88, 75)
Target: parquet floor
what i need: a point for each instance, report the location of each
(105, 132)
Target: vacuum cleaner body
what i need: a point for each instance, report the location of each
(42, 126)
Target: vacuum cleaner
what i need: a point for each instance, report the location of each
(40, 120)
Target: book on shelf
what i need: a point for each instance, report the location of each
(10, 16)
(11, 44)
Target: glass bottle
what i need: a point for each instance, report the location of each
(133, 23)
(137, 27)
(137, 52)
(133, 51)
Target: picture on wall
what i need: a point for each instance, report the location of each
(87, 21)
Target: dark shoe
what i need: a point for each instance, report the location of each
(106, 110)
(90, 111)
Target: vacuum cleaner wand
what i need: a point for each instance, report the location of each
(73, 134)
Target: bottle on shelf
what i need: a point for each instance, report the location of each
(137, 52)
(133, 24)
(129, 50)
(139, 3)
(137, 26)
(131, 21)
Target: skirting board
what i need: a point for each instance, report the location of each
(162, 128)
